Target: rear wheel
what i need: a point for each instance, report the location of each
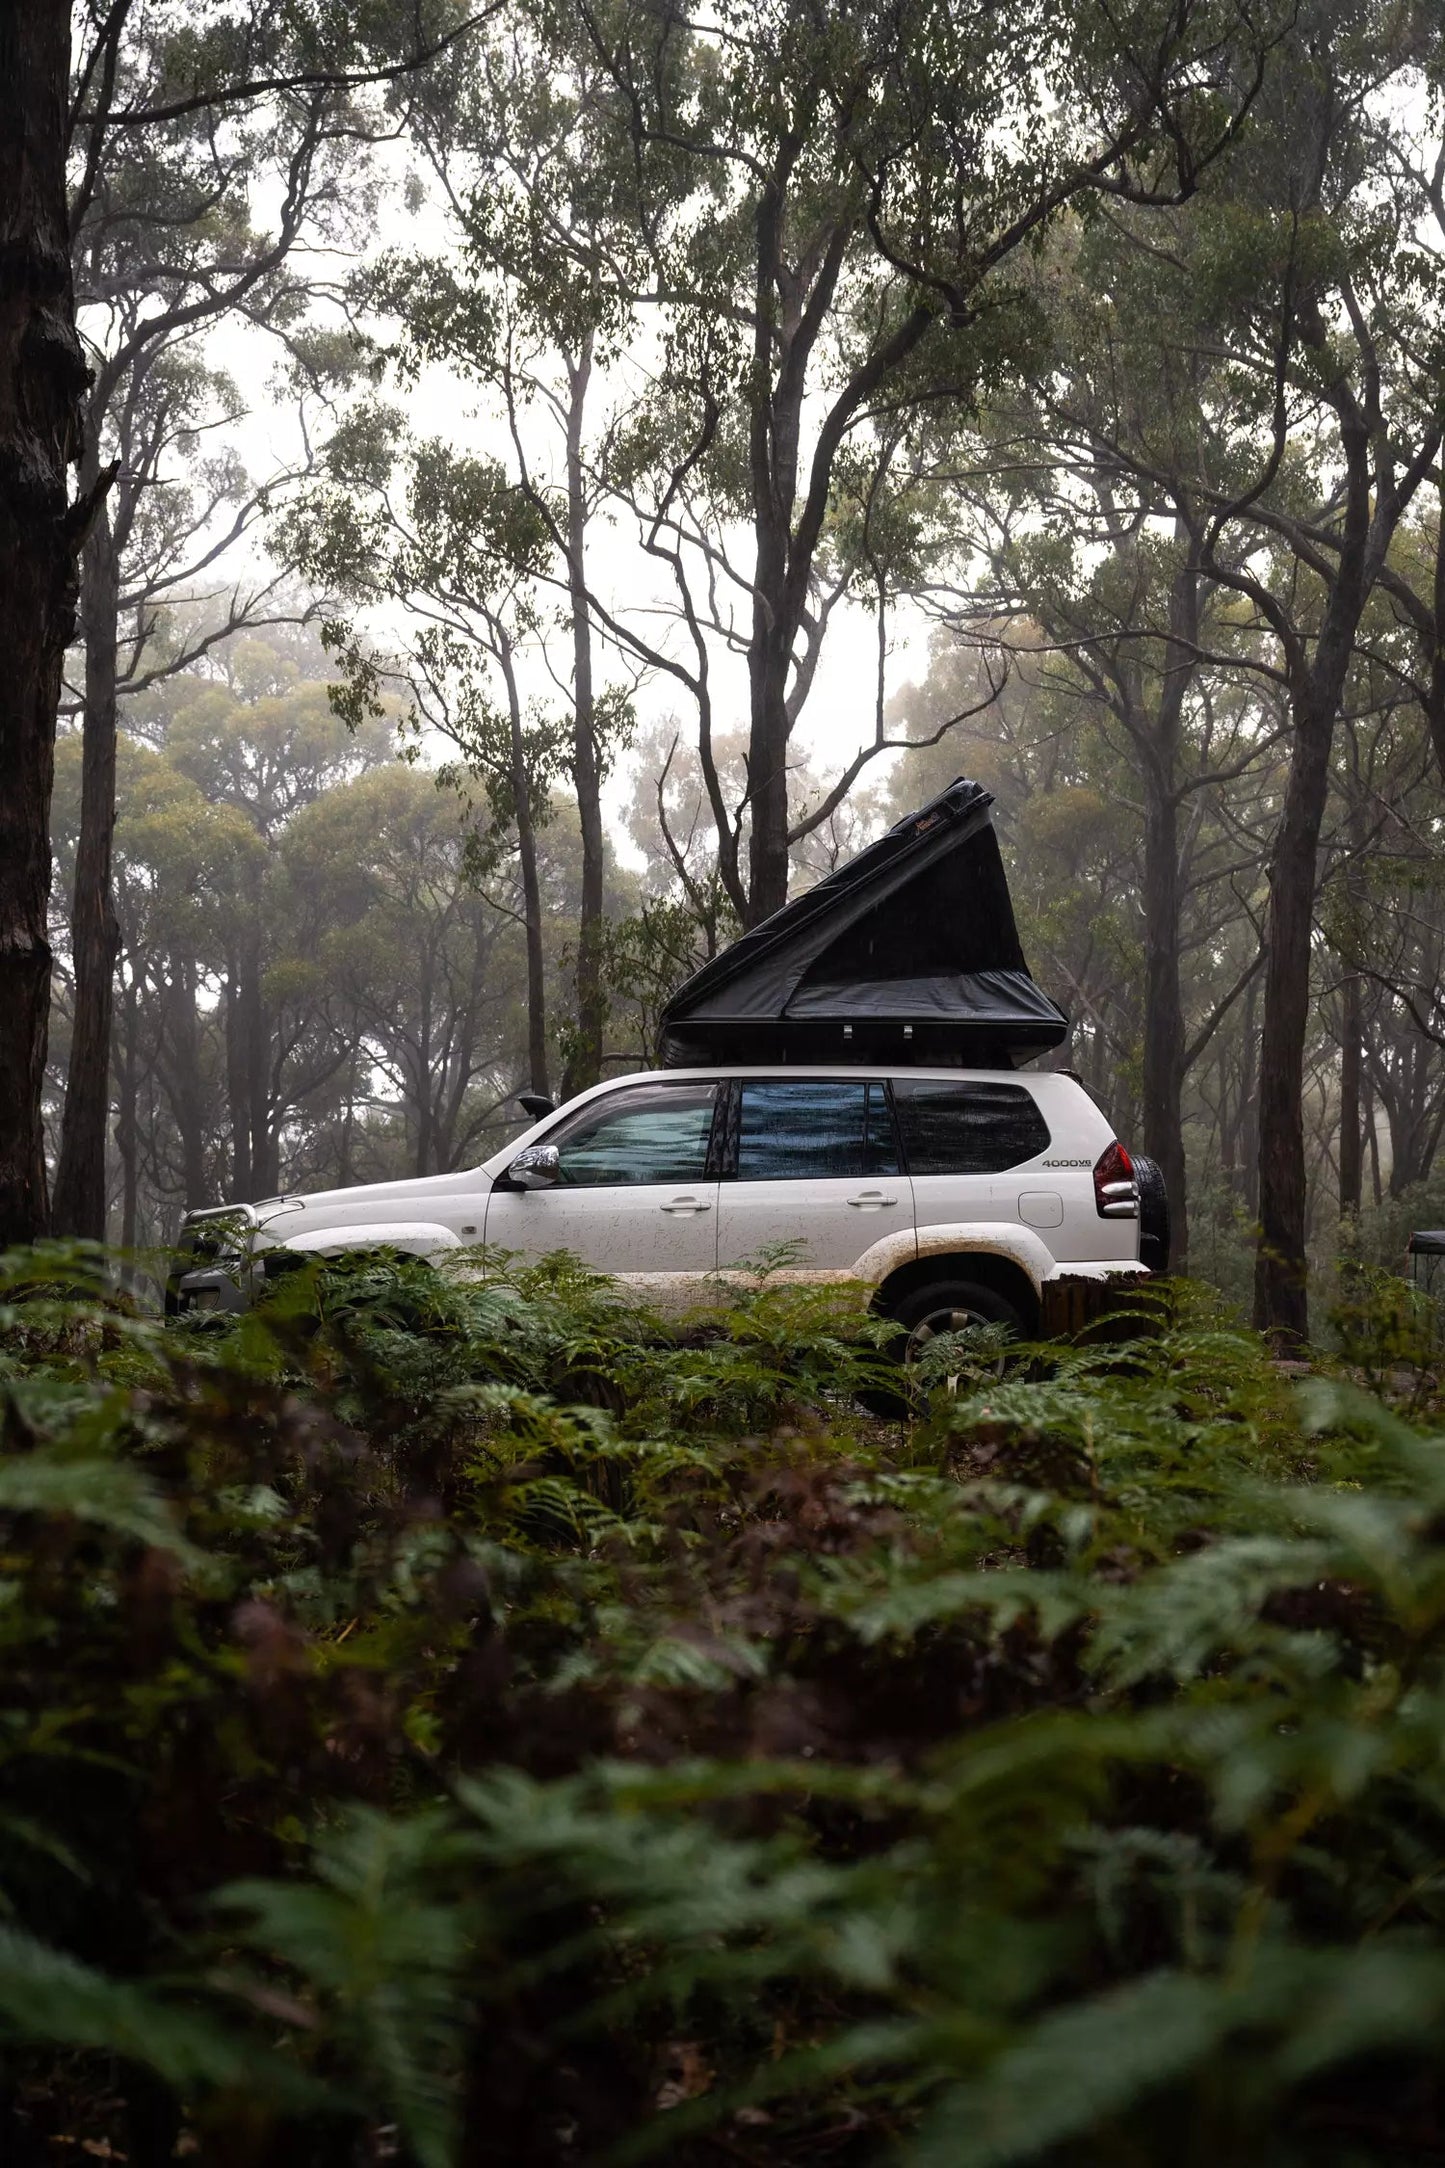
(951, 1306)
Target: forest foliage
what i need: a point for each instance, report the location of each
(458, 1721)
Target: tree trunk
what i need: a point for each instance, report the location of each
(1435, 696)
(79, 1203)
(187, 1090)
(531, 886)
(1352, 1166)
(774, 436)
(127, 1137)
(767, 764)
(42, 378)
(1281, 1273)
(1163, 1003)
(238, 1089)
(584, 1061)
(1247, 1115)
(257, 1035)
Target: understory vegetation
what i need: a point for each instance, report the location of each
(452, 1722)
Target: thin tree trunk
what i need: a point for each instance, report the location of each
(767, 768)
(1372, 1145)
(238, 1088)
(126, 1137)
(774, 435)
(186, 1096)
(1164, 1043)
(1436, 694)
(1163, 1081)
(79, 1203)
(424, 1102)
(584, 1061)
(531, 886)
(257, 1054)
(42, 378)
(1281, 1303)
(1351, 1077)
(1248, 1113)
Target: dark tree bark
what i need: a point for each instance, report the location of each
(1165, 1056)
(531, 884)
(1281, 1304)
(42, 379)
(1163, 1082)
(584, 1064)
(1377, 494)
(127, 1128)
(185, 1087)
(238, 1087)
(1248, 1116)
(1352, 1166)
(80, 1188)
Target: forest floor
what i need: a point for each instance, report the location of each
(463, 1724)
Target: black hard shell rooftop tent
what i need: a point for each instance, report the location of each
(907, 954)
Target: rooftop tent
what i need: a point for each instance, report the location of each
(907, 954)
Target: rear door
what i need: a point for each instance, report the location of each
(812, 1165)
(974, 1149)
(635, 1197)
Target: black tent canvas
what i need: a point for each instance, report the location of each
(907, 954)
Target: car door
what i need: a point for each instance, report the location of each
(961, 1136)
(634, 1196)
(813, 1165)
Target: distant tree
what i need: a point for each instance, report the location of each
(221, 61)
(459, 543)
(832, 213)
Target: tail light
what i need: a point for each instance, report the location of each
(1116, 1193)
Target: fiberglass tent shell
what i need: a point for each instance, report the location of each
(909, 954)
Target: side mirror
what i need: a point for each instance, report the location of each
(536, 1168)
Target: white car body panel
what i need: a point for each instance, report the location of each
(828, 1221)
(682, 1243)
(648, 1235)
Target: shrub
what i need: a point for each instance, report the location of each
(470, 1723)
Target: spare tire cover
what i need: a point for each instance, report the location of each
(1153, 1213)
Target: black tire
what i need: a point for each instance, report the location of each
(1154, 1234)
(951, 1306)
(963, 1303)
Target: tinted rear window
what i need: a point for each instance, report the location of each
(951, 1128)
(814, 1131)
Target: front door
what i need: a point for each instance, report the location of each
(633, 1198)
(816, 1172)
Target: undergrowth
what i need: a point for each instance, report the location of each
(470, 1723)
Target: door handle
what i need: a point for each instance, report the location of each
(685, 1204)
(870, 1200)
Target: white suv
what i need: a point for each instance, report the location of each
(950, 1196)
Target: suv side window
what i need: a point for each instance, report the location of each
(816, 1129)
(648, 1133)
(950, 1128)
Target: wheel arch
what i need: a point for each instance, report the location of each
(985, 1267)
(418, 1238)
